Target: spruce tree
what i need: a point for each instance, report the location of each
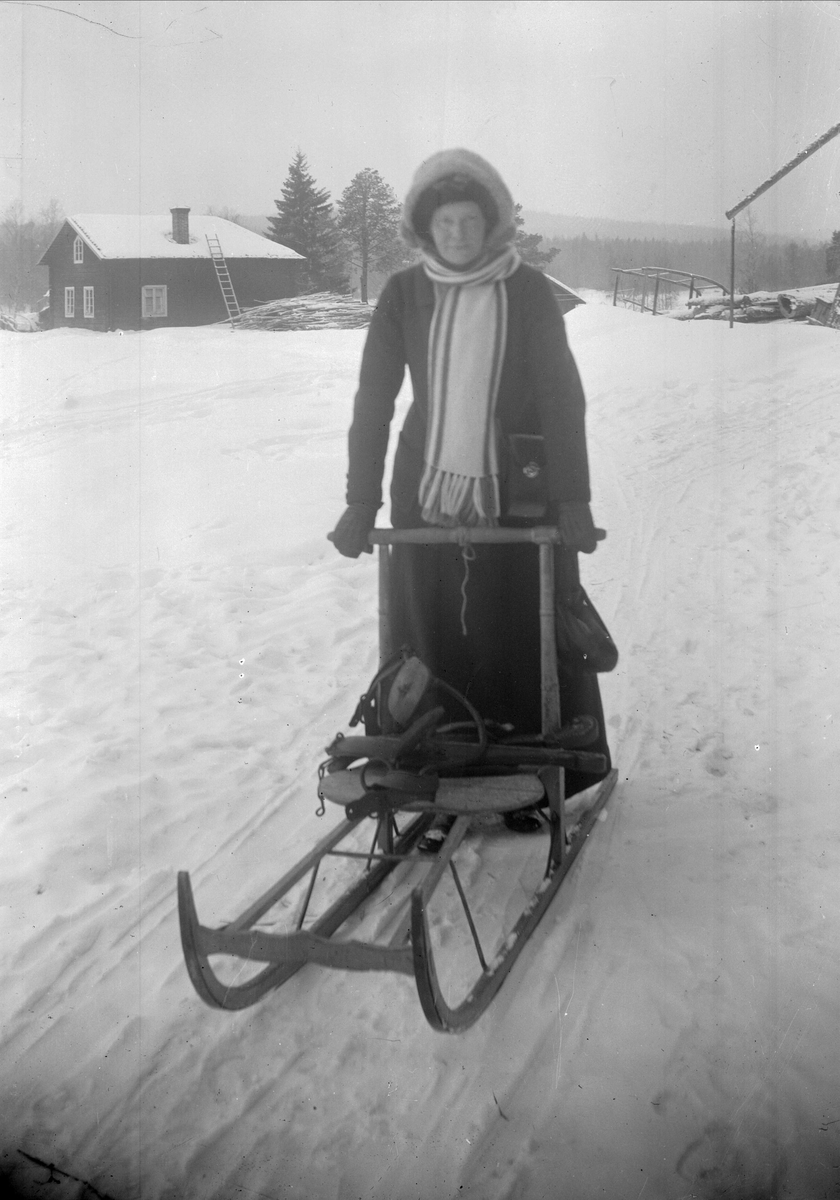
(369, 220)
(305, 223)
(832, 257)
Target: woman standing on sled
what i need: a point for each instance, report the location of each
(485, 345)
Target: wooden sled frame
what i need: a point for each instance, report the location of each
(409, 950)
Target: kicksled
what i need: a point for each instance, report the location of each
(426, 759)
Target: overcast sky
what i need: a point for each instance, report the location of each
(633, 109)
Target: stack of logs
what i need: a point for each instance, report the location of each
(794, 304)
(321, 310)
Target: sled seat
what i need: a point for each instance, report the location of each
(461, 796)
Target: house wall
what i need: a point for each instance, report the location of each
(193, 293)
(92, 272)
(256, 281)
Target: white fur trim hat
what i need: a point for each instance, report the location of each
(453, 175)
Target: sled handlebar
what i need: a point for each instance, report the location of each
(540, 535)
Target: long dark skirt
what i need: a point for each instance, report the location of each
(474, 620)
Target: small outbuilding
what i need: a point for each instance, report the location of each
(138, 272)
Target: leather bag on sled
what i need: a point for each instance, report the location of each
(583, 641)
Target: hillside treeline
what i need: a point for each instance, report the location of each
(355, 242)
(587, 262)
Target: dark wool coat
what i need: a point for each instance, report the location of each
(539, 391)
(475, 623)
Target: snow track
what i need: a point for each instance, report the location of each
(180, 643)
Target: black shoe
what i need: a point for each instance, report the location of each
(433, 839)
(523, 820)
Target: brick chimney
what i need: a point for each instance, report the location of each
(180, 225)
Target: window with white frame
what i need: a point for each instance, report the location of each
(69, 302)
(78, 251)
(88, 301)
(154, 300)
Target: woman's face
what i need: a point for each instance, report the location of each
(457, 231)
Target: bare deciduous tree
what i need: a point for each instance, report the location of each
(23, 240)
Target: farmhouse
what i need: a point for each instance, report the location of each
(137, 272)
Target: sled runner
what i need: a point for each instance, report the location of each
(414, 767)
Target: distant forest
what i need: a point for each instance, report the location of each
(586, 262)
(582, 261)
(23, 239)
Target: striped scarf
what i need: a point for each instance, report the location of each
(460, 482)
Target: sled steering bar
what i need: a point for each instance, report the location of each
(541, 535)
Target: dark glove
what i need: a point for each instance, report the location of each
(574, 520)
(350, 536)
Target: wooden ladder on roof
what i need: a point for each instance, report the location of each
(223, 275)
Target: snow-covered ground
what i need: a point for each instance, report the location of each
(179, 644)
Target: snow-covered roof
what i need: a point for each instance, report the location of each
(564, 287)
(114, 236)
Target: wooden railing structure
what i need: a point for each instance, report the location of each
(648, 296)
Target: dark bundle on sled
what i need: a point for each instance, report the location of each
(425, 758)
(583, 639)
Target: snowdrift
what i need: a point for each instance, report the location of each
(180, 643)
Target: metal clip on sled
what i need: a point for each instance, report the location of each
(423, 770)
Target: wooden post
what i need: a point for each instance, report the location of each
(548, 645)
(786, 169)
(732, 277)
(655, 294)
(554, 781)
(385, 648)
(615, 289)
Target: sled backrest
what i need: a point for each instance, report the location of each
(543, 537)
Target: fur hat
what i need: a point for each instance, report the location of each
(450, 176)
(450, 190)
